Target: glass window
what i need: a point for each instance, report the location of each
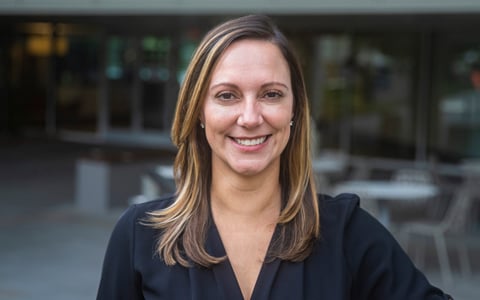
(77, 78)
(143, 78)
(120, 71)
(154, 74)
(455, 124)
(30, 71)
(366, 103)
(188, 45)
(165, 60)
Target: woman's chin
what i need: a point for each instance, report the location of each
(250, 169)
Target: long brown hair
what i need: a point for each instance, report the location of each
(184, 224)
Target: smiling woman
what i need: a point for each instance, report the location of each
(246, 221)
(248, 109)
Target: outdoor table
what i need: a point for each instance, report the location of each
(329, 164)
(382, 191)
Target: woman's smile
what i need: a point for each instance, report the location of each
(251, 141)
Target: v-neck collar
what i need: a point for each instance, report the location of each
(225, 276)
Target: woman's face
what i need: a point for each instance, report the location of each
(248, 108)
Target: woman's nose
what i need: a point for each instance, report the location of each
(251, 114)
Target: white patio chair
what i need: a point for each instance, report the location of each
(418, 207)
(454, 223)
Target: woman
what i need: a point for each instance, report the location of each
(246, 222)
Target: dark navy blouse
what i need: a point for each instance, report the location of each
(355, 258)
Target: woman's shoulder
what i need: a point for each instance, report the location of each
(342, 215)
(153, 205)
(339, 208)
(375, 260)
(342, 200)
(352, 228)
(136, 213)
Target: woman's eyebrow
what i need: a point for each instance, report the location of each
(265, 85)
(223, 84)
(273, 83)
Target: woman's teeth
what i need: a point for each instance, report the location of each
(251, 142)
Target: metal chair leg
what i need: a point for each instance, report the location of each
(464, 260)
(420, 253)
(443, 259)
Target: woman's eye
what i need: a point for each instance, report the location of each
(226, 96)
(273, 94)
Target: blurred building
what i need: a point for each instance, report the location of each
(378, 71)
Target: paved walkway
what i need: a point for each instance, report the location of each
(52, 254)
(49, 250)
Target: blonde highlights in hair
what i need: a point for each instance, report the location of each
(185, 223)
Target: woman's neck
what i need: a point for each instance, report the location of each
(245, 196)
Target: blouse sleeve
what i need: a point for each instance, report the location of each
(380, 268)
(119, 280)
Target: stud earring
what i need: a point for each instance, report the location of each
(202, 125)
(291, 123)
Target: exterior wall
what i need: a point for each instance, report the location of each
(235, 6)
